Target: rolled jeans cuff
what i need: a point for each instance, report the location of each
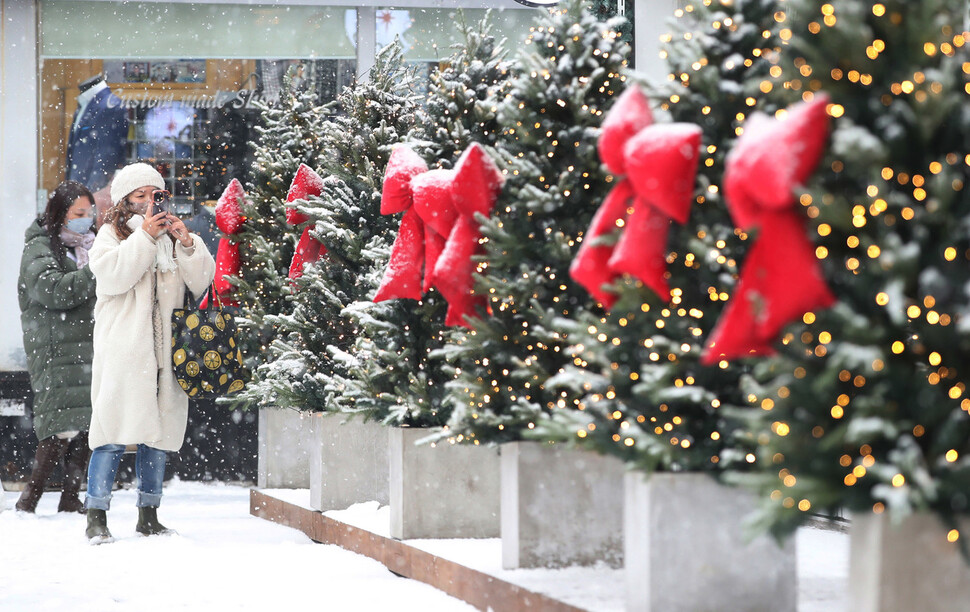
(97, 503)
(148, 500)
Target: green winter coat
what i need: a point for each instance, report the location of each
(57, 317)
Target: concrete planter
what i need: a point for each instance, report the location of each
(904, 566)
(444, 491)
(685, 549)
(283, 459)
(348, 462)
(560, 506)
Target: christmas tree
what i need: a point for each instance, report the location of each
(344, 215)
(461, 104)
(637, 379)
(562, 82)
(290, 134)
(397, 374)
(869, 397)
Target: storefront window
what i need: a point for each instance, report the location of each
(180, 83)
(182, 78)
(428, 34)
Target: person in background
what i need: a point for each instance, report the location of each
(144, 262)
(203, 224)
(97, 142)
(56, 291)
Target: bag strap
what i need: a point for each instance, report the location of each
(213, 296)
(207, 297)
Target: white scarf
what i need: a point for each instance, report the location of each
(163, 247)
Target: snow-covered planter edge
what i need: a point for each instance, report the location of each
(442, 490)
(560, 506)
(907, 563)
(686, 548)
(283, 455)
(348, 462)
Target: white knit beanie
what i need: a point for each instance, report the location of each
(133, 176)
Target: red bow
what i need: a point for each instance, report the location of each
(781, 279)
(659, 162)
(305, 183)
(439, 235)
(229, 219)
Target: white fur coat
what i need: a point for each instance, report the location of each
(134, 395)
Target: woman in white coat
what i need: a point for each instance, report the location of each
(143, 262)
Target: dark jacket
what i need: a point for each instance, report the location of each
(57, 317)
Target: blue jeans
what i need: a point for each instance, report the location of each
(103, 466)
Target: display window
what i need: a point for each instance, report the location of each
(192, 119)
(176, 84)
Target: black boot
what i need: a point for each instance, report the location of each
(75, 465)
(148, 522)
(97, 530)
(48, 455)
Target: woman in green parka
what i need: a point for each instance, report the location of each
(56, 294)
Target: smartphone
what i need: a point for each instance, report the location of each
(161, 201)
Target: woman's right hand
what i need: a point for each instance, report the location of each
(154, 224)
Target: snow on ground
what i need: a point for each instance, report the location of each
(822, 557)
(226, 559)
(222, 559)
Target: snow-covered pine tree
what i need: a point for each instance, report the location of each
(870, 397)
(368, 119)
(398, 375)
(562, 82)
(290, 134)
(462, 96)
(636, 372)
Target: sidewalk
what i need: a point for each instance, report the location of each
(222, 559)
(226, 559)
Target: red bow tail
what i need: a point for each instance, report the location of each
(641, 251)
(434, 244)
(402, 277)
(590, 268)
(453, 272)
(780, 281)
(308, 251)
(227, 264)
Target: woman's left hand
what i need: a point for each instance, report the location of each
(178, 231)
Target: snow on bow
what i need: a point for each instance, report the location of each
(781, 279)
(659, 165)
(438, 235)
(229, 219)
(305, 183)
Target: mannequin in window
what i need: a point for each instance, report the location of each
(99, 133)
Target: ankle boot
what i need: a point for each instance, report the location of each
(48, 455)
(97, 530)
(148, 522)
(75, 466)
